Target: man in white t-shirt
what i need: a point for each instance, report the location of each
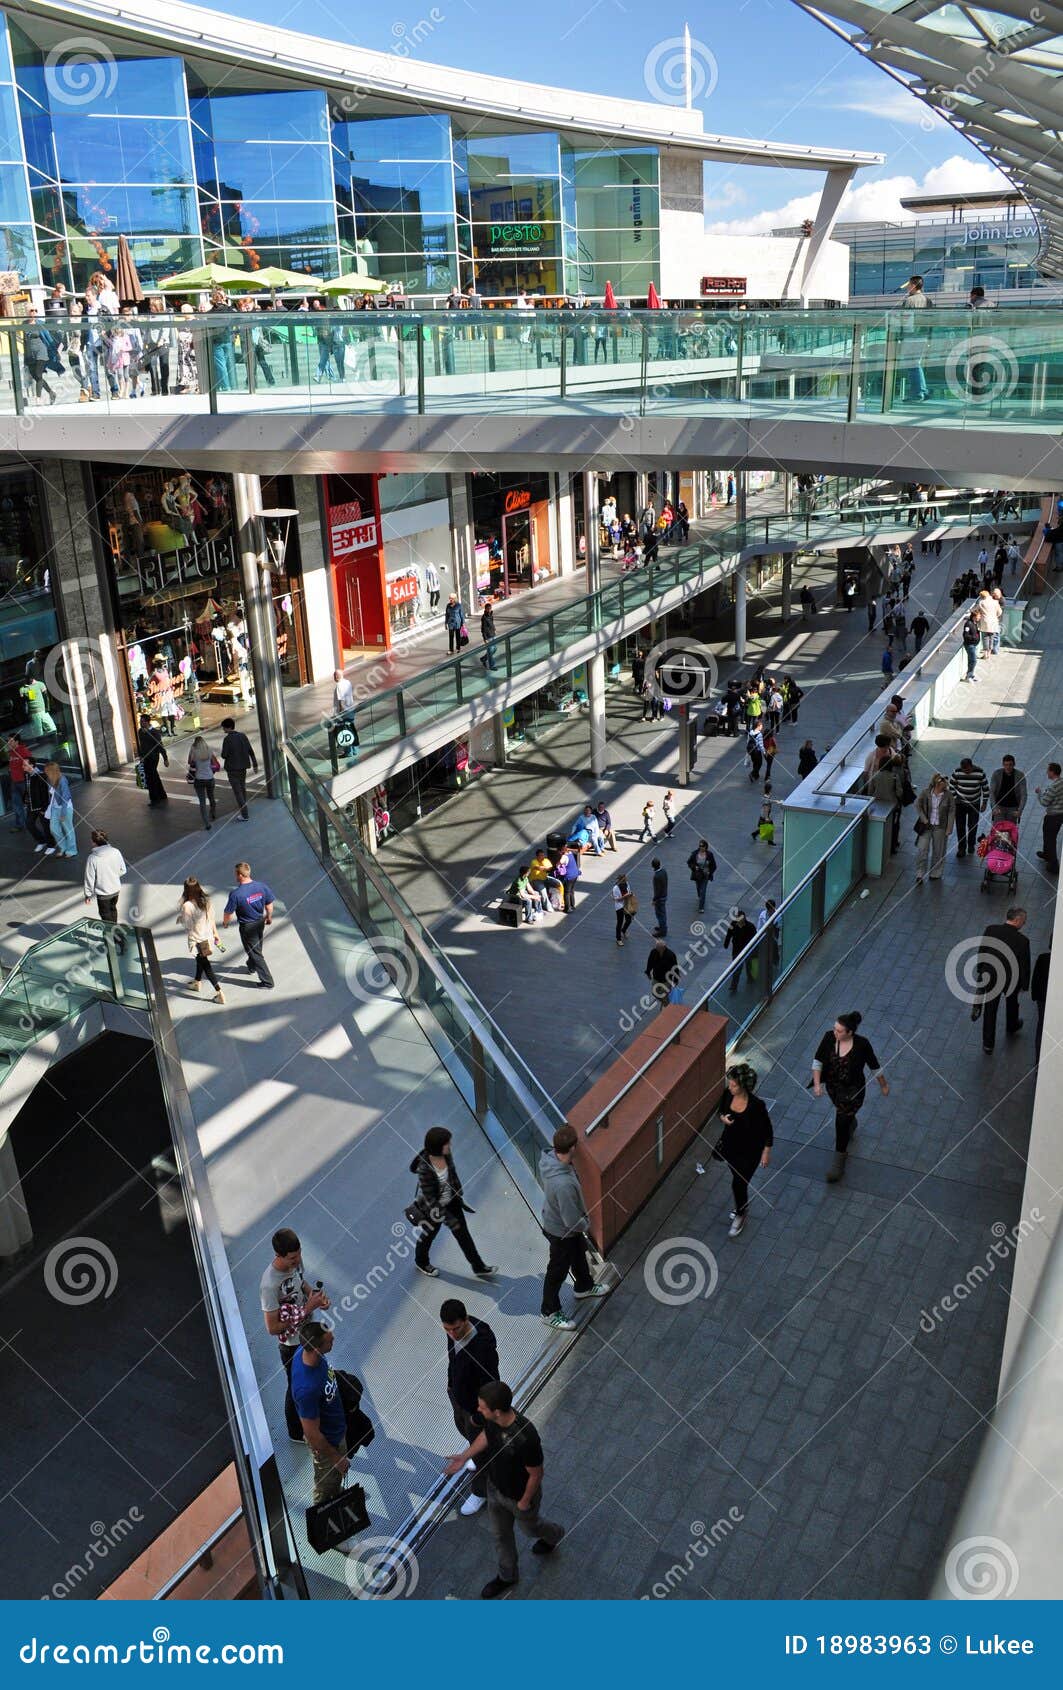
(287, 1300)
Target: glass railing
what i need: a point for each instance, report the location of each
(383, 718)
(63, 975)
(501, 1091)
(746, 987)
(983, 369)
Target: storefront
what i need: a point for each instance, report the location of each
(34, 701)
(511, 518)
(177, 593)
(356, 559)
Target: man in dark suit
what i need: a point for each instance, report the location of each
(1003, 972)
(472, 1360)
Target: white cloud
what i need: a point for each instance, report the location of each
(890, 102)
(874, 199)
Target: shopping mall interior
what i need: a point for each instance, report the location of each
(622, 663)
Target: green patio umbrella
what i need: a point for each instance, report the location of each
(211, 276)
(355, 281)
(286, 281)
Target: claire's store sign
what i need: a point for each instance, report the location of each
(350, 530)
(517, 499)
(155, 570)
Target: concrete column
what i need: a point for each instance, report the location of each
(487, 743)
(258, 609)
(741, 490)
(90, 671)
(462, 543)
(322, 642)
(15, 1229)
(363, 817)
(740, 612)
(596, 712)
(563, 523)
(642, 492)
(590, 518)
(787, 584)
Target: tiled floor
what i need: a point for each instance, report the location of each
(800, 1421)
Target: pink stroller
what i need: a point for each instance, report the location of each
(1000, 850)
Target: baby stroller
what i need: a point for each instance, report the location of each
(999, 851)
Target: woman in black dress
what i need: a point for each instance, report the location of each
(842, 1062)
(745, 1144)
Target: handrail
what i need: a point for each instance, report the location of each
(193, 1561)
(715, 550)
(541, 1110)
(264, 1506)
(736, 963)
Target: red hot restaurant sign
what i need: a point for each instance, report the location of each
(730, 287)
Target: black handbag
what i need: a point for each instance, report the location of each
(328, 1524)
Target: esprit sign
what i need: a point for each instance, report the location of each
(517, 499)
(733, 287)
(349, 530)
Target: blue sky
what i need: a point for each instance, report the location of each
(777, 73)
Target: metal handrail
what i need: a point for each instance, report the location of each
(264, 1506)
(539, 1105)
(735, 963)
(169, 1585)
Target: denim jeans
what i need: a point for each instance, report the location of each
(972, 658)
(61, 822)
(18, 802)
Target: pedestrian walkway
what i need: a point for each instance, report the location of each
(310, 1102)
(563, 993)
(795, 1414)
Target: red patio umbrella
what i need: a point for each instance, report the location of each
(609, 301)
(653, 299)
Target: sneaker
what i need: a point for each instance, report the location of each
(496, 1587)
(49, 850)
(541, 1547)
(485, 1272)
(428, 1270)
(595, 1291)
(559, 1322)
(292, 1439)
(250, 967)
(219, 997)
(193, 985)
(737, 1226)
(472, 1505)
(37, 849)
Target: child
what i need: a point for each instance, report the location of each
(765, 828)
(668, 806)
(649, 816)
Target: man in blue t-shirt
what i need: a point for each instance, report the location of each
(251, 905)
(316, 1394)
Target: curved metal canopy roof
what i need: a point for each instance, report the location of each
(995, 75)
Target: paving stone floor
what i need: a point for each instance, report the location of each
(793, 1419)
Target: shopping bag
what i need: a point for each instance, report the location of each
(328, 1524)
(463, 635)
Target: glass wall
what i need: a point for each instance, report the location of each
(34, 701)
(188, 166)
(951, 257)
(510, 212)
(395, 190)
(617, 211)
(109, 153)
(265, 176)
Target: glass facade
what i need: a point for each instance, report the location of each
(251, 175)
(34, 695)
(951, 257)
